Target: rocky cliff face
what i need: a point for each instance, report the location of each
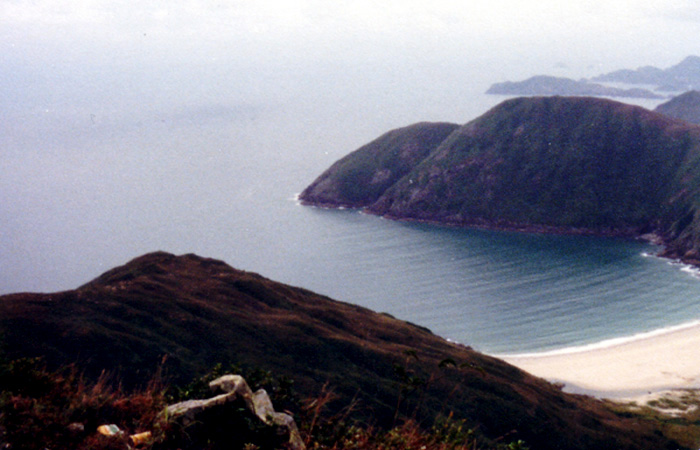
(197, 312)
(563, 164)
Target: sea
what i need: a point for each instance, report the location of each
(91, 188)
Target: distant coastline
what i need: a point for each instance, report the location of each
(681, 77)
(547, 85)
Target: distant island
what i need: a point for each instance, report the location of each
(542, 164)
(547, 85)
(681, 77)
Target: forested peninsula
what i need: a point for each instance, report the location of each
(547, 164)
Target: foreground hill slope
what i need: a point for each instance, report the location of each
(200, 311)
(563, 164)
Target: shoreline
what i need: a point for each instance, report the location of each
(482, 224)
(603, 344)
(653, 237)
(624, 368)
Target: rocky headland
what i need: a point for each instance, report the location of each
(544, 164)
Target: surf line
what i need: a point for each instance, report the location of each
(607, 343)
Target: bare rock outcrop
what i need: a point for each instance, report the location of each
(235, 417)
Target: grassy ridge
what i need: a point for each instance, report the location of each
(198, 312)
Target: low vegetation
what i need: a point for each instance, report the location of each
(42, 409)
(685, 107)
(178, 316)
(675, 413)
(360, 179)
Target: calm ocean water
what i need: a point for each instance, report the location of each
(501, 292)
(221, 182)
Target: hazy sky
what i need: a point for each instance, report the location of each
(126, 125)
(613, 33)
(113, 54)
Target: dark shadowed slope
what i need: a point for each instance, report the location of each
(563, 164)
(200, 311)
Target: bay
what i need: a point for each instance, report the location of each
(221, 180)
(504, 292)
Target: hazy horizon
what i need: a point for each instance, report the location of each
(159, 125)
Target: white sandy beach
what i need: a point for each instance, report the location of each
(649, 364)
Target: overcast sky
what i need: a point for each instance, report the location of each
(616, 32)
(82, 53)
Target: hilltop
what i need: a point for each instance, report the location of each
(196, 312)
(548, 164)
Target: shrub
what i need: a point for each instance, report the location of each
(42, 409)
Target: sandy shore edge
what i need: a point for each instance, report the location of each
(630, 369)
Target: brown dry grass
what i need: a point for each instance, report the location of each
(41, 409)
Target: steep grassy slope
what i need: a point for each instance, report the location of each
(200, 311)
(361, 177)
(565, 164)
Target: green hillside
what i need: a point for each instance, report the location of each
(360, 178)
(560, 164)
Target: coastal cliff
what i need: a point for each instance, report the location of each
(550, 164)
(191, 312)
